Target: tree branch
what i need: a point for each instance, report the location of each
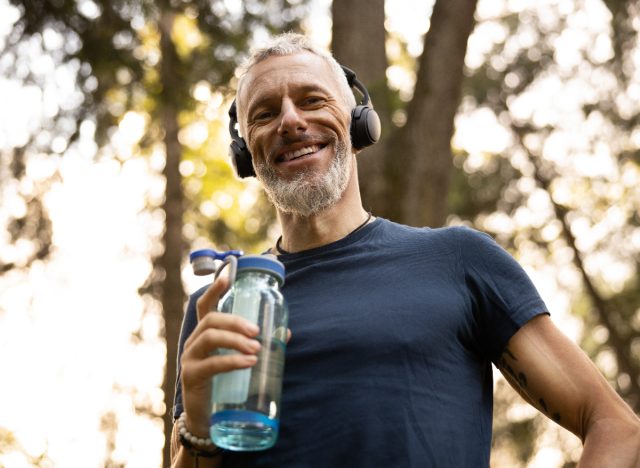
(604, 314)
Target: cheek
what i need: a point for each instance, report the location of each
(339, 120)
(344, 117)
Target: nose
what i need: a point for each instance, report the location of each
(292, 121)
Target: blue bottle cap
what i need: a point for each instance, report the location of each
(266, 263)
(203, 261)
(213, 254)
(203, 253)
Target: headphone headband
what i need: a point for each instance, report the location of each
(365, 128)
(354, 82)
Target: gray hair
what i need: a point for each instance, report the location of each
(289, 44)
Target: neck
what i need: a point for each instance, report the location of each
(306, 232)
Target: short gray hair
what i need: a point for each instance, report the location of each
(292, 43)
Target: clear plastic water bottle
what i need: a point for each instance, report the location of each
(245, 403)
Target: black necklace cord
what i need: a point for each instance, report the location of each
(285, 252)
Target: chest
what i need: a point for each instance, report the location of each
(382, 311)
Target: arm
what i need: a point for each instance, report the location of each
(199, 364)
(556, 377)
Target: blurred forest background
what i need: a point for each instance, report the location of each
(521, 119)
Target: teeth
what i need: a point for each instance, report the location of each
(299, 152)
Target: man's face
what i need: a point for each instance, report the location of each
(297, 128)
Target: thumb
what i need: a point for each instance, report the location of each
(209, 300)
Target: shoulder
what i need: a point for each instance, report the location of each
(467, 235)
(455, 245)
(473, 249)
(452, 235)
(472, 243)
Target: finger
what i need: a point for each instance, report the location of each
(223, 321)
(213, 338)
(288, 335)
(231, 322)
(209, 300)
(195, 372)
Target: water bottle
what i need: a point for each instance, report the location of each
(245, 403)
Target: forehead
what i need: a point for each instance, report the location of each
(280, 74)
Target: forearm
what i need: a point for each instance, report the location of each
(181, 458)
(614, 443)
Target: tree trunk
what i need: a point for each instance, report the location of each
(358, 42)
(173, 296)
(419, 160)
(406, 176)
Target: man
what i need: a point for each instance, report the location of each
(393, 328)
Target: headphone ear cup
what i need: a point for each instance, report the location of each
(241, 158)
(365, 127)
(238, 150)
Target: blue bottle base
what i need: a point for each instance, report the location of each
(243, 431)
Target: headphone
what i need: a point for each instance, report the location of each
(364, 131)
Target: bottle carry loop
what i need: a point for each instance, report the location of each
(232, 261)
(204, 262)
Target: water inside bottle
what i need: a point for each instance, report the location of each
(245, 415)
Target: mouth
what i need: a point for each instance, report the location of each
(299, 153)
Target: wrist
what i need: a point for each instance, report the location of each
(196, 445)
(196, 428)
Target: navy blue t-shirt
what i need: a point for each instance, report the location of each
(393, 332)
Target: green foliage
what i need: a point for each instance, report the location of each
(477, 192)
(223, 211)
(539, 198)
(111, 50)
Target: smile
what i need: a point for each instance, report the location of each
(299, 153)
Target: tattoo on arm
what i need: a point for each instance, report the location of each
(510, 368)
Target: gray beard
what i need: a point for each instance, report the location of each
(308, 193)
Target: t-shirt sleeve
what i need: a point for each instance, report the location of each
(189, 322)
(502, 295)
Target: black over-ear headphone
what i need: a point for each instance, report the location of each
(365, 129)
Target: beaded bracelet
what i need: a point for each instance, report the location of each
(197, 446)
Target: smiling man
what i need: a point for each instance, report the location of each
(393, 328)
(297, 118)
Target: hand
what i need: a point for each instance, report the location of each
(199, 361)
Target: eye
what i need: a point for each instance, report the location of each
(313, 100)
(261, 116)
